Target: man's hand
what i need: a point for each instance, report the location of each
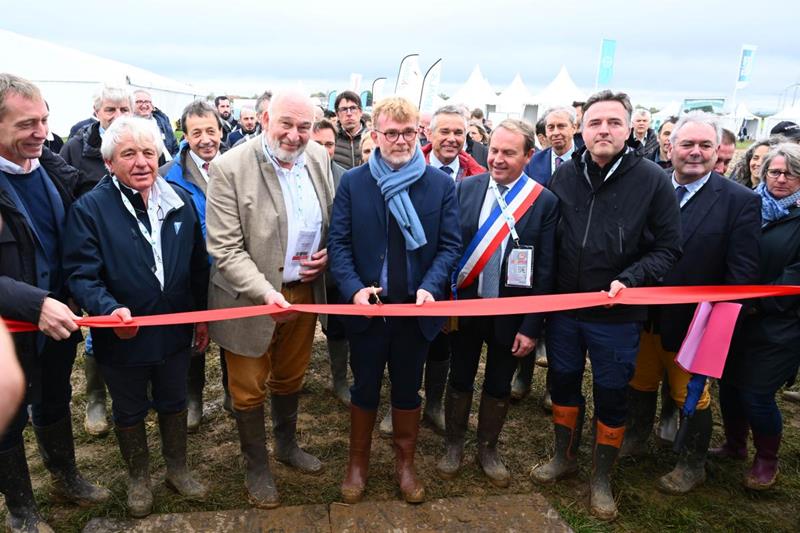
(313, 267)
(363, 296)
(124, 316)
(424, 296)
(274, 297)
(614, 289)
(56, 320)
(522, 346)
(200, 337)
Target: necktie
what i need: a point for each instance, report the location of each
(447, 170)
(205, 166)
(559, 161)
(680, 192)
(396, 261)
(490, 286)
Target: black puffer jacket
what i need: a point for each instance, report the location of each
(627, 230)
(83, 152)
(347, 153)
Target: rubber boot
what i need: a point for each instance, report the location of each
(173, 428)
(521, 383)
(362, 422)
(491, 418)
(385, 427)
(540, 353)
(133, 446)
(406, 428)
(764, 472)
(547, 400)
(57, 448)
(691, 468)
(567, 425)
(669, 416)
(456, 416)
(735, 445)
(15, 484)
(96, 421)
(258, 481)
(639, 425)
(435, 380)
(339, 351)
(284, 428)
(196, 382)
(606, 449)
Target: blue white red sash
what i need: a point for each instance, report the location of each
(494, 231)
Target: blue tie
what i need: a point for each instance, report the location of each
(490, 287)
(447, 170)
(680, 192)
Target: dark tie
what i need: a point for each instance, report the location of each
(396, 263)
(205, 166)
(559, 161)
(447, 170)
(680, 192)
(491, 272)
(138, 206)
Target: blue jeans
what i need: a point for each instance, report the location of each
(612, 351)
(760, 409)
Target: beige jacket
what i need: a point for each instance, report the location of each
(246, 237)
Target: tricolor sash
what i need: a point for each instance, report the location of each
(494, 231)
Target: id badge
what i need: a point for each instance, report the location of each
(302, 251)
(519, 270)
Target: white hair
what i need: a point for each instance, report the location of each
(641, 112)
(140, 129)
(112, 94)
(447, 110)
(569, 111)
(697, 117)
(292, 95)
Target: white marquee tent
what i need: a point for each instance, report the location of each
(515, 97)
(741, 117)
(789, 113)
(69, 78)
(562, 91)
(476, 91)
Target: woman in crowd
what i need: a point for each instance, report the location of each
(366, 147)
(766, 351)
(478, 133)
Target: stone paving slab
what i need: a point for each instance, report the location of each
(507, 513)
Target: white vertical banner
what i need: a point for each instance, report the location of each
(409, 78)
(355, 82)
(378, 90)
(745, 65)
(430, 87)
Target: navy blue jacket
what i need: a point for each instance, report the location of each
(109, 265)
(536, 228)
(167, 134)
(357, 240)
(538, 167)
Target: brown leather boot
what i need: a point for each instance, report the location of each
(362, 423)
(406, 428)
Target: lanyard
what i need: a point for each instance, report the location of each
(504, 211)
(154, 239)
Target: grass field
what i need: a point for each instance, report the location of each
(722, 504)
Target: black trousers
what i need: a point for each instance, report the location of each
(467, 344)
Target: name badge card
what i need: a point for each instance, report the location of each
(519, 270)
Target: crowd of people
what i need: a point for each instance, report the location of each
(287, 206)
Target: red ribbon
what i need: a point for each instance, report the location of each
(479, 307)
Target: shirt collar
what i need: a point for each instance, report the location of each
(510, 185)
(199, 160)
(300, 162)
(565, 157)
(12, 168)
(434, 162)
(694, 186)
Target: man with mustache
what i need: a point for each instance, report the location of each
(202, 130)
(267, 221)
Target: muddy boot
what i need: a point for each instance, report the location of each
(57, 449)
(173, 447)
(567, 425)
(385, 427)
(521, 383)
(547, 400)
(691, 468)
(362, 422)
(540, 353)
(96, 421)
(15, 483)
(133, 446)
(406, 428)
(491, 417)
(435, 379)
(669, 417)
(735, 445)
(456, 416)
(764, 472)
(639, 425)
(339, 350)
(284, 428)
(194, 391)
(606, 448)
(258, 481)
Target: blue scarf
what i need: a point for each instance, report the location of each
(773, 209)
(394, 186)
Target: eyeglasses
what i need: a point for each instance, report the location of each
(393, 135)
(774, 173)
(140, 102)
(348, 110)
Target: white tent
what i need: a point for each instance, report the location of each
(741, 117)
(562, 91)
(476, 92)
(788, 113)
(69, 78)
(514, 99)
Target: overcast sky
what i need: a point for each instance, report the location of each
(666, 49)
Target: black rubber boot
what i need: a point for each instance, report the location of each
(173, 447)
(435, 380)
(491, 418)
(456, 416)
(339, 352)
(606, 449)
(521, 382)
(691, 468)
(261, 491)
(96, 421)
(639, 425)
(567, 426)
(57, 448)
(284, 427)
(15, 484)
(194, 391)
(133, 446)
